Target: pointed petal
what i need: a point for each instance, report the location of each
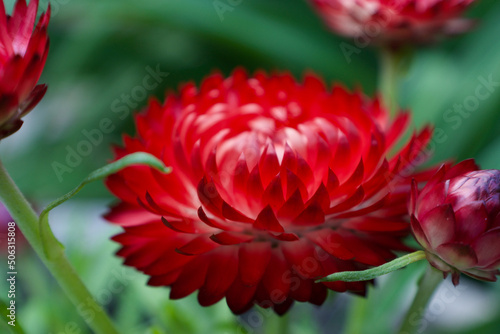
(266, 220)
(438, 225)
(458, 255)
(253, 260)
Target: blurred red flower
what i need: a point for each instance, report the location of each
(274, 183)
(23, 52)
(395, 22)
(456, 218)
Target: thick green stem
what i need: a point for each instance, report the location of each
(358, 309)
(17, 329)
(277, 324)
(58, 264)
(426, 288)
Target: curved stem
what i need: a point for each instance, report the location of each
(50, 243)
(426, 288)
(369, 274)
(137, 158)
(59, 266)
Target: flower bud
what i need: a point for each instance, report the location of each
(456, 219)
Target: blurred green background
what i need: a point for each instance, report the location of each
(102, 49)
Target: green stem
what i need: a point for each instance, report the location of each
(358, 309)
(59, 266)
(17, 329)
(138, 158)
(50, 244)
(277, 324)
(388, 79)
(426, 288)
(366, 275)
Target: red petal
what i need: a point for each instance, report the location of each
(311, 216)
(489, 276)
(191, 278)
(283, 307)
(231, 238)
(332, 182)
(302, 290)
(419, 233)
(331, 242)
(232, 214)
(366, 210)
(181, 226)
(199, 245)
(293, 183)
(302, 258)
(254, 258)
(266, 220)
(458, 255)
(439, 225)
(285, 236)
(318, 294)
(292, 207)
(375, 224)
(211, 222)
(221, 273)
(277, 276)
(273, 195)
(472, 221)
(269, 165)
(164, 280)
(461, 168)
(125, 214)
(487, 247)
(322, 197)
(350, 202)
(240, 296)
(364, 252)
(209, 196)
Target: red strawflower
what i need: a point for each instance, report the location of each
(456, 218)
(395, 22)
(23, 52)
(274, 184)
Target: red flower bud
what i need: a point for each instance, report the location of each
(23, 52)
(456, 218)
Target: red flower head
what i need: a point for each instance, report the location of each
(395, 21)
(274, 184)
(22, 57)
(456, 218)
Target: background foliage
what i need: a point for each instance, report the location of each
(100, 49)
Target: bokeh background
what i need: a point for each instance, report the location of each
(100, 53)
